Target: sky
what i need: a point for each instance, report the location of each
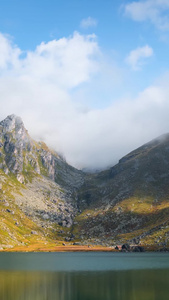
(89, 78)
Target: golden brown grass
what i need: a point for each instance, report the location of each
(49, 247)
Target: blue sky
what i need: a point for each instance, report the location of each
(88, 77)
(41, 20)
(31, 22)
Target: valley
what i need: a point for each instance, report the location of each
(45, 203)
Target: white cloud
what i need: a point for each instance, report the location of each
(101, 137)
(9, 54)
(38, 88)
(89, 22)
(66, 62)
(136, 57)
(155, 11)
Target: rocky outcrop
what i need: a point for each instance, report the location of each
(24, 157)
(16, 147)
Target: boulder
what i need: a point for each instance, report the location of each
(125, 247)
(34, 232)
(138, 249)
(45, 217)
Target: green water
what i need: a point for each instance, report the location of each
(84, 276)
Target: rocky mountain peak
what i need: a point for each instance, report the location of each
(22, 156)
(14, 140)
(12, 123)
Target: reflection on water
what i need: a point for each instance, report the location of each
(105, 285)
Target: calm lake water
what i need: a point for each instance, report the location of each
(84, 276)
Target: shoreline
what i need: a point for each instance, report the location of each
(41, 247)
(67, 248)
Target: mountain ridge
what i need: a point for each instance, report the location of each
(125, 203)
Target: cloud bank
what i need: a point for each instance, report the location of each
(39, 86)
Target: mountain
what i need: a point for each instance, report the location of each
(38, 189)
(130, 201)
(44, 201)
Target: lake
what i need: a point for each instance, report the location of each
(84, 276)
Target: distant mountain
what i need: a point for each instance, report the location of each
(44, 200)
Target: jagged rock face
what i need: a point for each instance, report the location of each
(16, 145)
(13, 124)
(22, 156)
